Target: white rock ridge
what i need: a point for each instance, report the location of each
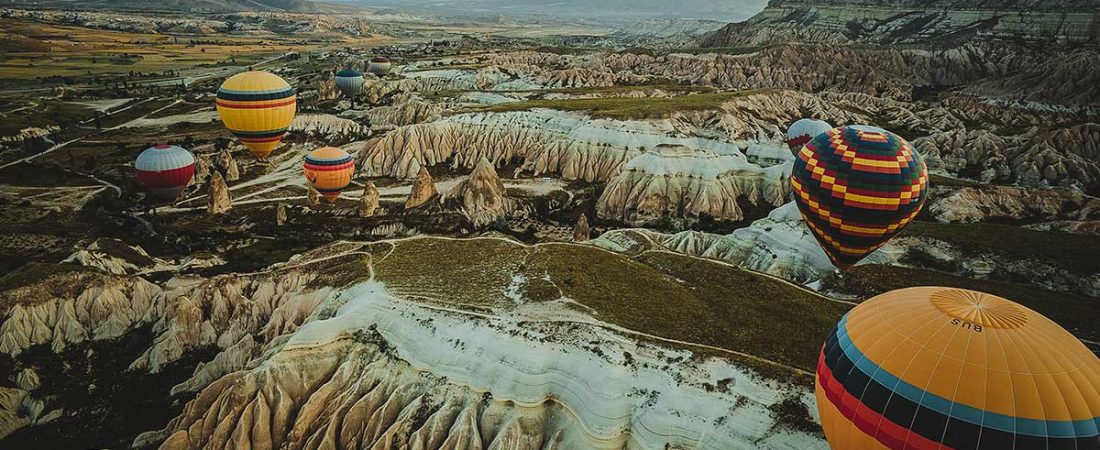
(571, 145)
(675, 182)
(378, 372)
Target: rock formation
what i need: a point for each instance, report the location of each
(301, 363)
(313, 198)
(1060, 157)
(581, 232)
(423, 190)
(217, 195)
(226, 162)
(541, 140)
(202, 168)
(779, 244)
(675, 182)
(1009, 203)
(328, 128)
(405, 110)
(481, 196)
(280, 213)
(368, 202)
(114, 257)
(357, 380)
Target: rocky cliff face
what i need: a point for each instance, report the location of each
(1044, 53)
(673, 182)
(1011, 204)
(890, 22)
(547, 142)
(1060, 157)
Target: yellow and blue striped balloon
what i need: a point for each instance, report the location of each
(329, 170)
(258, 108)
(936, 368)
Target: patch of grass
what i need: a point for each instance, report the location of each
(1076, 253)
(467, 272)
(626, 107)
(697, 300)
(663, 294)
(1075, 313)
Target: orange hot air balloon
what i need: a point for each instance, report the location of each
(329, 170)
(946, 368)
(257, 107)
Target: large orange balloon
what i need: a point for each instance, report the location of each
(945, 368)
(329, 170)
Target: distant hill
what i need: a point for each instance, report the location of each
(627, 10)
(189, 5)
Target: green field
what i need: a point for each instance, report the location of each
(663, 294)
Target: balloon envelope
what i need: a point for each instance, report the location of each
(349, 82)
(378, 66)
(257, 107)
(165, 170)
(946, 368)
(802, 130)
(329, 171)
(856, 187)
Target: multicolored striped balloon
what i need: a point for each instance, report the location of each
(329, 171)
(856, 188)
(943, 368)
(379, 65)
(258, 108)
(349, 82)
(802, 130)
(165, 170)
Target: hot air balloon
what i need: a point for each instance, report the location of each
(379, 66)
(349, 82)
(802, 130)
(329, 171)
(946, 368)
(856, 187)
(165, 170)
(257, 107)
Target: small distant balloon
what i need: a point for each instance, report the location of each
(257, 107)
(378, 65)
(165, 170)
(349, 82)
(329, 170)
(857, 187)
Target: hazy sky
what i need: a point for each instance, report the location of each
(724, 10)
